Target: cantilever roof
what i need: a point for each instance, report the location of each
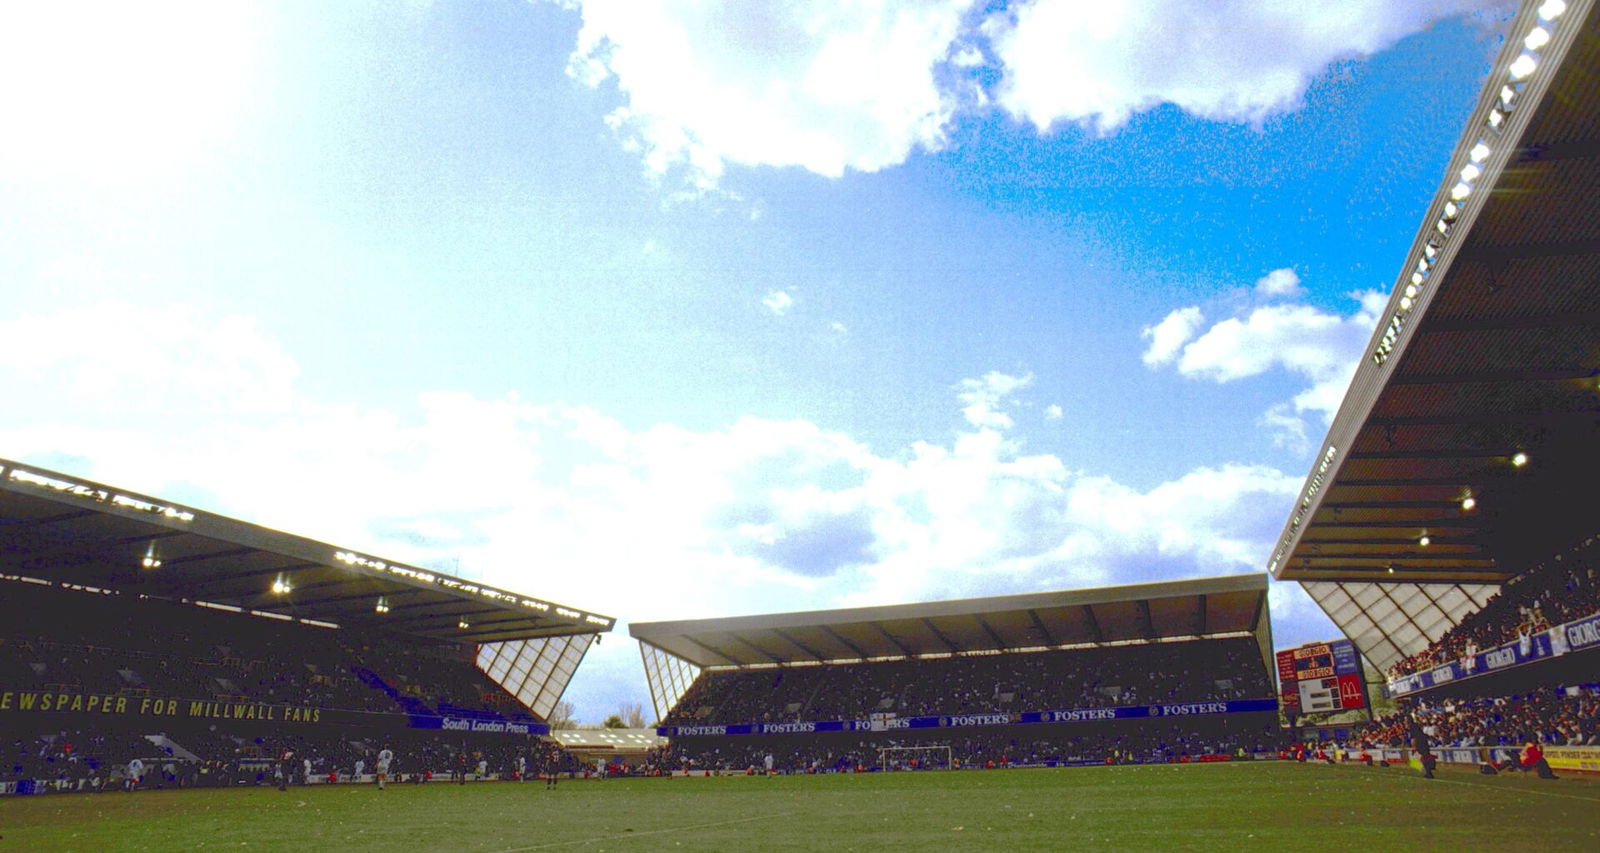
(1489, 348)
(62, 529)
(1150, 611)
(1498, 353)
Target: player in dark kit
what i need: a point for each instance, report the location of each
(1419, 745)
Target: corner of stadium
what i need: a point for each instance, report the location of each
(1447, 528)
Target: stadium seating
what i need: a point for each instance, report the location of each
(55, 641)
(1557, 716)
(1555, 593)
(1078, 678)
(115, 645)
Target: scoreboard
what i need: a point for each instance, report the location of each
(1321, 677)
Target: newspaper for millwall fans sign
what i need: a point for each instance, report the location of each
(1573, 636)
(882, 722)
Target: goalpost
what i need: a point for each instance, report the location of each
(900, 757)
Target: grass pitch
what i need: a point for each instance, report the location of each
(1190, 807)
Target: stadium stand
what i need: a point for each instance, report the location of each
(1445, 525)
(1049, 678)
(135, 631)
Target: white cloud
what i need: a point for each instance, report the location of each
(778, 302)
(836, 85)
(1230, 60)
(568, 503)
(826, 85)
(983, 398)
(1053, 412)
(117, 92)
(1280, 283)
(1168, 336)
(1319, 347)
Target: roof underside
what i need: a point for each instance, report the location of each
(1158, 611)
(1499, 356)
(62, 529)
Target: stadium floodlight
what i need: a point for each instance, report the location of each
(1519, 459)
(1468, 502)
(1552, 9)
(1470, 172)
(1461, 191)
(1507, 95)
(1537, 37)
(281, 585)
(151, 561)
(1425, 541)
(1480, 152)
(382, 606)
(1523, 66)
(462, 624)
(1495, 118)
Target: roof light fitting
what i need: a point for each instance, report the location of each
(281, 585)
(1468, 502)
(1519, 459)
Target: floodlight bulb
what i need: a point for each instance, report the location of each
(1538, 37)
(1461, 191)
(1524, 66)
(1480, 152)
(463, 625)
(1470, 172)
(1425, 541)
(1451, 210)
(1507, 95)
(1519, 459)
(1405, 303)
(1411, 291)
(1391, 569)
(1552, 9)
(1468, 502)
(1495, 117)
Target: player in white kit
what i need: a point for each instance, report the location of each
(385, 758)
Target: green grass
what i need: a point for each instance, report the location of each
(1193, 807)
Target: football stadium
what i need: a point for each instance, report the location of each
(175, 679)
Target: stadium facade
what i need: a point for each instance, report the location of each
(1052, 677)
(1447, 526)
(136, 627)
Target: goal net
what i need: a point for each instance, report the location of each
(915, 758)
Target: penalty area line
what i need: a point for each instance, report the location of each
(623, 836)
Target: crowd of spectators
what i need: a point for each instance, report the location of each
(1556, 717)
(1557, 592)
(70, 641)
(1140, 674)
(96, 760)
(992, 746)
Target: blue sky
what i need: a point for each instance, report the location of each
(672, 310)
